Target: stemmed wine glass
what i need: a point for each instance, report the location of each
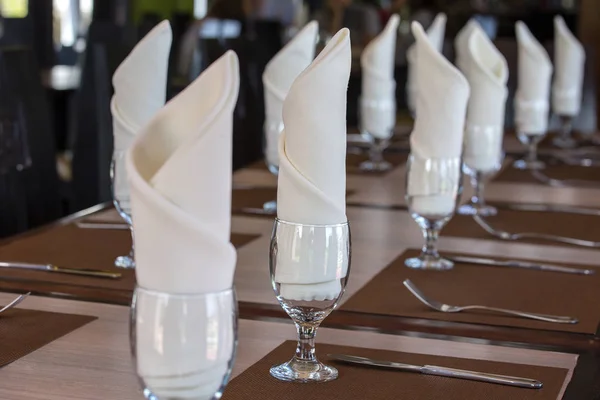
(309, 266)
(122, 202)
(565, 140)
(381, 109)
(478, 178)
(183, 345)
(433, 189)
(272, 131)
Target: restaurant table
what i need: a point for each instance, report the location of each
(94, 362)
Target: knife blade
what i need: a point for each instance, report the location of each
(443, 371)
(521, 264)
(61, 270)
(103, 225)
(551, 208)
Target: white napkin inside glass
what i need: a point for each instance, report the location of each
(312, 171)
(569, 61)
(180, 174)
(140, 84)
(487, 75)
(378, 97)
(533, 90)
(436, 34)
(279, 75)
(438, 130)
(461, 44)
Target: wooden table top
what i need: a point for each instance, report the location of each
(94, 363)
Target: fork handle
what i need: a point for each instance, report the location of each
(540, 317)
(553, 238)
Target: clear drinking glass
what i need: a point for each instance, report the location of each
(272, 132)
(122, 202)
(565, 140)
(309, 266)
(183, 345)
(373, 112)
(531, 160)
(433, 189)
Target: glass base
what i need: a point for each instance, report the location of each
(270, 207)
(304, 371)
(529, 165)
(476, 209)
(373, 166)
(125, 262)
(429, 262)
(564, 142)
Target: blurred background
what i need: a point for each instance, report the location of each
(57, 58)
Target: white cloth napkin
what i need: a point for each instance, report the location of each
(487, 75)
(312, 172)
(436, 33)
(140, 84)
(569, 61)
(378, 97)
(279, 75)
(180, 174)
(461, 44)
(533, 91)
(438, 131)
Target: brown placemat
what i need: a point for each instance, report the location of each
(553, 223)
(552, 171)
(353, 161)
(71, 247)
(512, 288)
(24, 331)
(360, 383)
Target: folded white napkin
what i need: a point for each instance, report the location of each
(533, 91)
(279, 75)
(461, 44)
(312, 172)
(438, 131)
(140, 84)
(436, 33)
(569, 59)
(180, 174)
(487, 75)
(378, 97)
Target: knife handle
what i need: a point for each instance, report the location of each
(483, 377)
(85, 272)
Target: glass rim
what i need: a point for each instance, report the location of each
(199, 295)
(284, 222)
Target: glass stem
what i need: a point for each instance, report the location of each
(305, 350)
(532, 155)
(479, 186)
(566, 128)
(132, 251)
(376, 151)
(431, 238)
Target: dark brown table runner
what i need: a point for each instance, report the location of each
(563, 224)
(353, 161)
(513, 288)
(72, 247)
(361, 383)
(552, 171)
(24, 331)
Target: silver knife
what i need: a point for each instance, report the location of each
(521, 264)
(61, 270)
(551, 208)
(443, 371)
(103, 225)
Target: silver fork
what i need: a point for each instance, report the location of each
(15, 302)
(436, 305)
(530, 235)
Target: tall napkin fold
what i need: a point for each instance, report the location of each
(569, 61)
(461, 44)
(533, 90)
(278, 77)
(312, 172)
(436, 33)
(180, 174)
(487, 75)
(438, 130)
(140, 84)
(378, 97)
